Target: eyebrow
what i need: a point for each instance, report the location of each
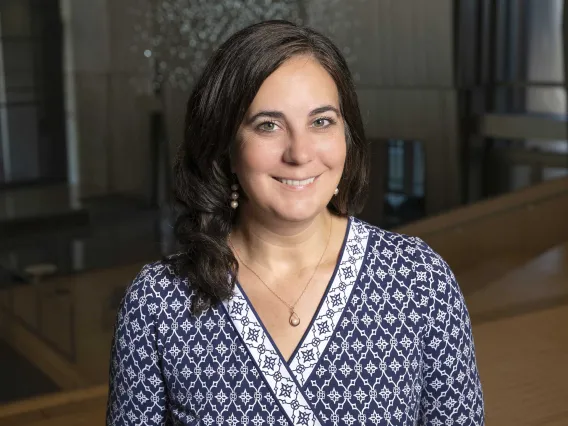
(279, 114)
(323, 109)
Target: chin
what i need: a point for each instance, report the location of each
(299, 213)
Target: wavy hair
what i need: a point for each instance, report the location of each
(215, 110)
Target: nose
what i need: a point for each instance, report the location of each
(300, 150)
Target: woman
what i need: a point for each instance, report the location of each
(284, 309)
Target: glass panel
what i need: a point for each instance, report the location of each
(404, 198)
(528, 40)
(545, 53)
(528, 64)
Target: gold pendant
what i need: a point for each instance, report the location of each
(294, 319)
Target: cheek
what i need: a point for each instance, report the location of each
(333, 152)
(257, 157)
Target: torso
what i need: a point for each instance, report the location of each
(391, 342)
(274, 313)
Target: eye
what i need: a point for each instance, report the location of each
(323, 122)
(267, 126)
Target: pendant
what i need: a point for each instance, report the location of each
(294, 319)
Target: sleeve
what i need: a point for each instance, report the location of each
(451, 388)
(137, 394)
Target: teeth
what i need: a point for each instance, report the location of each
(297, 182)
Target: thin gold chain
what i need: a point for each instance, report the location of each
(291, 307)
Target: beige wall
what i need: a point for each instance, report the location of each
(111, 139)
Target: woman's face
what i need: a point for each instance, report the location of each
(291, 144)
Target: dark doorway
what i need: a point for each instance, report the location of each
(32, 117)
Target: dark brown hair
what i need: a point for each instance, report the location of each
(215, 110)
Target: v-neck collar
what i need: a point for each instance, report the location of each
(269, 360)
(326, 319)
(322, 325)
(326, 293)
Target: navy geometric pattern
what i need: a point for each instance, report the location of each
(403, 353)
(399, 350)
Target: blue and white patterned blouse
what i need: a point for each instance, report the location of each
(390, 344)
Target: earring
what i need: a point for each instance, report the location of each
(336, 191)
(234, 196)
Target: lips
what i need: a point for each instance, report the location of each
(293, 182)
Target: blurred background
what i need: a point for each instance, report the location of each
(464, 103)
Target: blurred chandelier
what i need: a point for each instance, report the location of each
(178, 36)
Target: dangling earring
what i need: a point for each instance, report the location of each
(336, 191)
(234, 196)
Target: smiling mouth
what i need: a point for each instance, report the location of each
(297, 183)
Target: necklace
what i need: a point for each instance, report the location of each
(294, 319)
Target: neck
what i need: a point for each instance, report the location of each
(280, 247)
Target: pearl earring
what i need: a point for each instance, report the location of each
(336, 191)
(234, 196)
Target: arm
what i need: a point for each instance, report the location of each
(451, 390)
(136, 390)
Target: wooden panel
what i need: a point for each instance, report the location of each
(522, 366)
(82, 407)
(72, 345)
(472, 278)
(508, 202)
(56, 317)
(62, 372)
(97, 297)
(541, 281)
(24, 305)
(521, 224)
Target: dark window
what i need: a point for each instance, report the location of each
(404, 197)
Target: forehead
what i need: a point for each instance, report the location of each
(300, 82)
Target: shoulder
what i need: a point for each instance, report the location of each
(408, 261)
(403, 252)
(391, 244)
(157, 285)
